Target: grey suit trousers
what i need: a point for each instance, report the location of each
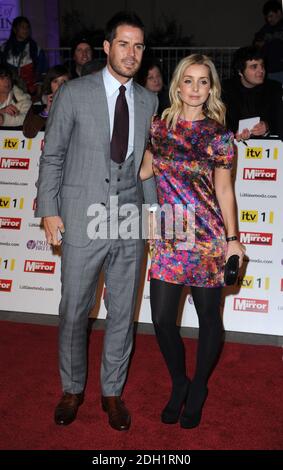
(121, 262)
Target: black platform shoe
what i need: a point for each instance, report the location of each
(170, 414)
(191, 416)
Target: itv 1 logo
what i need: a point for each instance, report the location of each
(258, 153)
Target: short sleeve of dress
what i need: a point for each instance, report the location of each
(223, 149)
(152, 131)
(149, 146)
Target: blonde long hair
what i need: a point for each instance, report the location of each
(213, 108)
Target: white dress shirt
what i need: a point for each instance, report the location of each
(112, 86)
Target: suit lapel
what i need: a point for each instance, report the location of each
(100, 108)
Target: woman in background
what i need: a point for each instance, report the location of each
(150, 76)
(22, 53)
(38, 113)
(14, 103)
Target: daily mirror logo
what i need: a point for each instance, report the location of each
(5, 285)
(11, 223)
(250, 305)
(256, 238)
(41, 267)
(7, 163)
(260, 174)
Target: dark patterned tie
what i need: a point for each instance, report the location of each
(120, 135)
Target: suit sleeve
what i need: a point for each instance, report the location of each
(149, 186)
(57, 137)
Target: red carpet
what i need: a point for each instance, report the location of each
(244, 408)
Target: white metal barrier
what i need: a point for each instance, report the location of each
(168, 56)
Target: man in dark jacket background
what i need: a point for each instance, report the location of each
(249, 94)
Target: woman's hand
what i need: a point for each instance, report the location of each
(236, 248)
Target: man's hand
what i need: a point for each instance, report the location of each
(260, 129)
(11, 109)
(53, 226)
(244, 135)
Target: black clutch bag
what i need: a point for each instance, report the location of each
(231, 270)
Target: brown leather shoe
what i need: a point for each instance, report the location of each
(67, 408)
(118, 415)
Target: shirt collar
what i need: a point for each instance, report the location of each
(112, 85)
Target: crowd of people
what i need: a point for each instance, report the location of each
(118, 132)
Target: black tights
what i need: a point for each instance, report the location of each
(165, 298)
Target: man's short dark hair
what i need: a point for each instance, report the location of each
(122, 18)
(271, 5)
(244, 54)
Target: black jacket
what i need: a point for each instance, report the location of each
(263, 100)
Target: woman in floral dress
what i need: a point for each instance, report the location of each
(190, 154)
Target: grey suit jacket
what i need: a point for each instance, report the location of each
(75, 162)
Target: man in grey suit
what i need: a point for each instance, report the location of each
(78, 172)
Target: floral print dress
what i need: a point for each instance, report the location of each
(191, 247)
